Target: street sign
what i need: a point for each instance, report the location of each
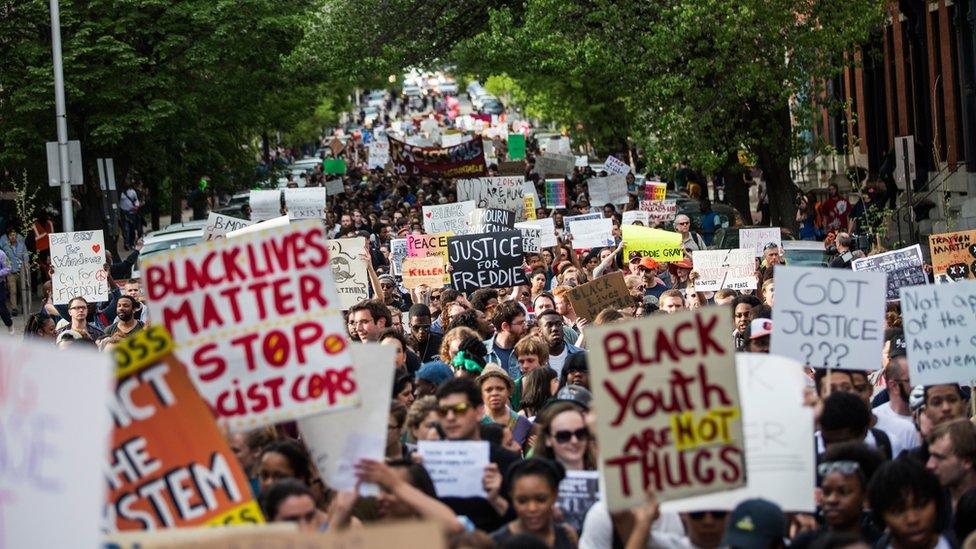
(904, 150)
(74, 163)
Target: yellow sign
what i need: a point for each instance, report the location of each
(661, 245)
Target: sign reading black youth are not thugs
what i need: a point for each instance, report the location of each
(486, 260)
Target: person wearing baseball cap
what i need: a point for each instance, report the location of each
(653, 285)
(757, 335)
(755, 524)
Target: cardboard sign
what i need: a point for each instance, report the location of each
(486, 261)
(54, 429)
(265, 205)
(939, 322)
(633, 217)
(489, 220)
(669, 415)
(516, 146)
(954, 254)
(305, 203)
(607, 190)
(661, 245)
(596, 295)
(512, 168)
(335, 166)
(903, 267)
(547, 231)
(428, 271)
(554, 164)
(655, 192)
(555, 193)
(780, 454)
(448, 218)
(398, 251)
(379, 154)
(660, 211)
(337, 441)
(614, 166)
(506, 193)
(219, 225)
(464, 160)
(169, 467)
(281, 221)
(455, 466)
(717, 269)
(829, 318)
(334, 187)
(577, 493)
(349, 270)
(256, 319)
(78, 259)
(592, 233)
(757, 239)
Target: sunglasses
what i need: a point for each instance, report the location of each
(844, 467)
(718, 515)
(458, 409)
(562, 437)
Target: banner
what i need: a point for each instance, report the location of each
(669, 415)
(219, 225)
(607, 190)
(555, 193)
(265, 205)
(447, 218)
(829, 318)
(334, 187)
(633, 217)
(655, 192)
(592, 233)
(717, 269)
(305, 203)
(938, 322)
(577, 493)
(568, 220)
(464, 160)
(516, 146)
(757, 239)
(903, 267)
(349, 269)
(486, 261)
(256, 319)
(547, 231)
(554, 164)
(398, 251)
(429, 271)
(661, 245)
(660, 211)
(598, 294)
(954, 254)
(79, 261)
(280, 221)
(54, 433)
(489, 220)
(506, 193)
(170, 467)
(613, 166)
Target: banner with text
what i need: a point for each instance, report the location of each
(661, 245)
(598, 294)
(265, 205)
(615, 166)
(78, 260)
(555, 193)
(939, 323)
(464, 160)
(554, 164)
(219, 225)
(634, 217)
(486, 261)
(305, 203)
(547, 231)
(757, 239)
(660, 211)
(490, 220)
(447, 218)
(505, 193)
(717, 269)
(954, 254)
(611, 189)
(428, 271)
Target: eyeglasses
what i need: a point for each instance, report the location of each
(682, 223)
(458, 409)
(386, 286)
(420, 328)
(562, 437)
(435, 297)
(844, 467)
(717, 515)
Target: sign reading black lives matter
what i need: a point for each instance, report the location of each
(486, 260)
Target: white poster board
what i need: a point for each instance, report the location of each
(78, 259)
(219, 225)
(940, 323)
(265, 205)
(615, 166)
(547, 230)
(903, 268)
(632, 217)
(717, 269)
(280, 221)
(334, 187)
(504, 193)
(457, 467)
(305, 203)
(757, 239)
(611, 189)
(445, 218)
(349, 270)
(592, 233)
(398, 251)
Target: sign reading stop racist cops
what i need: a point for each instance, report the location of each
(486, 260)
(668, 406)
(257, 321)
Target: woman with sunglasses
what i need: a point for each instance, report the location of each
(564, 438)
(534, 488)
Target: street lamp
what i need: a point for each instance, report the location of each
(61, 116)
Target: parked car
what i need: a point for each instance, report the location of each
(233, 207)
(412, 91)
(805, 253)
(177, 235)
(376, 98)
(448, 87)
(492, 106)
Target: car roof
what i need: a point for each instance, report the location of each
(186, 226)
(812, 245)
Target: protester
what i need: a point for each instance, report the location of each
(508, 318)
(407, 492)
(538, 386)
(369, 319)
(563, 437)
(535, 484)
(908, 501)
(952, 457)
(496, 391)
(551, 328)
(14, 247)
(423, 422)
(422, 340)
(79, 311)
(125, 323)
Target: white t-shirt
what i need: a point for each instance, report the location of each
(667, 531)
(899, 429)
(556, 361)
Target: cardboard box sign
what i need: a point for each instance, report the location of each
(594, 296)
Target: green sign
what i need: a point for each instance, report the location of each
(516, 146)
(334, 166)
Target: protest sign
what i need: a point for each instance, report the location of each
(280, 221)
(486, 261)
(516, 146)
(512, 168)
(530, 206)
(256, 319)
(349, 269)
(449, 139)
(717, 269)
(607, 190)
(660, 211)
(592, 233)
(555, 193)
(531, 239)
(170, 467)
(334, 166)
(829, 318)
(903, 267)
(464, 160)
(506, 193)
(547, 231)
(669, 415)
(582, 161)
(428, 245)
(614, 166)
(334, 187)
(379, 154)
(219, 225)
(778, 429)
(661, 245)
(337, 441)
(428, 271)
(265, 205)
(577, 493)
(560, 144)
(54, 432)
(757, 239)
(939, 322)
(489, 220)
(444, 218)
(598, 294)
(554, 164)
(398, 251)
(455, 466)
(305, 203)
(79, 261)
(633, 217)
(570, 219)
(655, 192)
(954, 254)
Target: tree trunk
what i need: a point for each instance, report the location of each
(736, 190)
(774, 160)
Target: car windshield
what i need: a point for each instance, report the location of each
(805, 258)
(151, 248)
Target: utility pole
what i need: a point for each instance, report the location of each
(61, 115)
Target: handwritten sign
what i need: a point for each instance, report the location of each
(598, 294)
(669, 415)
(398, 251)
(427, 271)
(489, 220)
(54, 432)
(660, 211)
(78, 259)
(334, 187)
(379, 154)
(903, 267)
(169, 466)
(939, 322)
(448, 218)
(615, 166)
(486, 261)
(455, 466)
(633, 217)
(655, 192)
(305, 203)
(219, 225)
(757, 239)
(554, 164)
(954, 254)
(717, 269)
(661, 245)
(607, 190)
(577, 493)
(547, 231)
(256, 319)
(531, 239)
(346, 257)
(829, 318)
(592, 233)
(555, 193)
(505, 193)
(570, 219)
(464, 160)
(265, 205)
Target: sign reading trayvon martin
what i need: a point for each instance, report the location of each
(668, 406)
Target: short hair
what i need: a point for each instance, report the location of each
(492, 432)
(418, 309)
(560, 291)
(606, 316)
(724, 293)
(962, 434)
(132, 301)
(395, 334)
(76, 298)
(506, 312)
(532, 345)
(462, 386)
(419, 410)
(672, 293)
(376, 308)
(868, 459)
(546, 295)
(551, 471)
(820, 374)
(467, 319)
(273, 496)
(480, 298)
(845, 239)
(761, 311)
(296, 456)
(449, 295)
(898, 479)
(843, 410)
(749, 300)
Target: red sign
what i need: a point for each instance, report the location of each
(458, 161)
